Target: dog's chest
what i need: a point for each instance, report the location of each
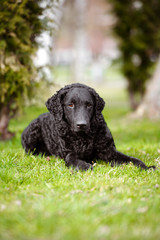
(80, 145)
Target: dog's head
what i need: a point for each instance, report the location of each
(76, 104)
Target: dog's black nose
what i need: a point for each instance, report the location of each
(81, 125)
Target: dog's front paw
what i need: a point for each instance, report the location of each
(152, 167)
(84, 166)
(72, 161)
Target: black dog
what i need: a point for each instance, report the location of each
(75, 130)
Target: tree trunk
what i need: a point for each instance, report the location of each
(79, 40)
(132, 99)
(4, 121)
(150, 105)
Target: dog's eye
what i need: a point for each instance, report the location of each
(71, 105)
(89, 105)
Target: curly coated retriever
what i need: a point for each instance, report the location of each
(75, 130)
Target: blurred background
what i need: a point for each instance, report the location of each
(82, 48)
(110, 45)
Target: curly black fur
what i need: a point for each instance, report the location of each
(51, 134)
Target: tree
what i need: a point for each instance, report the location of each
(137, 27)
(20, 24)
(150, 105)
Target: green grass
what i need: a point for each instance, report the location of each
(44, 200)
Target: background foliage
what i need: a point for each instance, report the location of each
(21, 22)
(137, 27)
(19, 25)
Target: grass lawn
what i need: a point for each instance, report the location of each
(44, 200)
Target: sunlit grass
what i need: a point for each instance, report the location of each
(44, 200)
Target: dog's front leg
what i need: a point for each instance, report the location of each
(116, 158)
(106, 151)
(121, 158)
(72, 160)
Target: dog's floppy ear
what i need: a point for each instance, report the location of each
(99, 103)
(54, 105)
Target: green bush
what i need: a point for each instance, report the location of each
(137, 27)
(20, 23)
